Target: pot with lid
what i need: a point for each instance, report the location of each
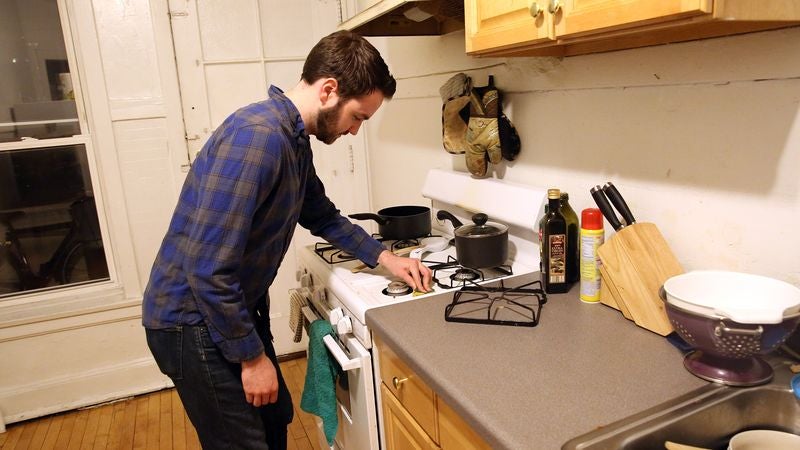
(730, 318)
(481, 244)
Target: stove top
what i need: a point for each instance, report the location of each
(371, 288)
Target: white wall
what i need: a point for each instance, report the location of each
(702, 138)
(73, 347)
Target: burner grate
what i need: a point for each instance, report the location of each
(332, 254)
(451, 274)
(497, 305)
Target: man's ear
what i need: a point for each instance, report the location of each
(328, 93)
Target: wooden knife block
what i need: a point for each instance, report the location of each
(636, 262)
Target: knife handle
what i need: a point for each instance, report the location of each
(605, 207)
(619, 203)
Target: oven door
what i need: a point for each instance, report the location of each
(355, 392)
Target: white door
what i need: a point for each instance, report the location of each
(228, 53)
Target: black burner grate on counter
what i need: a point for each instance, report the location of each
(497, 305)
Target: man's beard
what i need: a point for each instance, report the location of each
(326, 124)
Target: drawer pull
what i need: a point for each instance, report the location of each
(398, 382)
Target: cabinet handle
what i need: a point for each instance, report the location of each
(555, 6)
(535, 10)
(398, 382)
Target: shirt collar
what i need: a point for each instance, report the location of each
(298, 126)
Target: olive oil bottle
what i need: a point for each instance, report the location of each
(554, 246)
(573, 247)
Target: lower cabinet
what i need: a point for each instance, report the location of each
(414, 417)
(401, 430)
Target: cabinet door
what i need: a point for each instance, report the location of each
(506, 24)
(582, 17)
(454, 433)
(402, 431)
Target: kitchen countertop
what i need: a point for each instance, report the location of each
(582, 367)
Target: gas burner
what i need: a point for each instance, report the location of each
(405, 243)
(497, 305)
(397, 288)
(451, 274)
(465, 274)
(332, 254)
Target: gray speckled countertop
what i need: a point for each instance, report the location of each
(584, 366)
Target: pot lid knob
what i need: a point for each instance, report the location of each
(480, 219)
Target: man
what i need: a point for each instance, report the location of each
(206, 306)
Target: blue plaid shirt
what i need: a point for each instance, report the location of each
(253, 181)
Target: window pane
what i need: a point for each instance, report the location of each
(48, 220)
(36, 95)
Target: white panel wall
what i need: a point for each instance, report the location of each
(702, 138)
(64, 349)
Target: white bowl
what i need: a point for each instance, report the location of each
(741, 297)
(764, 440)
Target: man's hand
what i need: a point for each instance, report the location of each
(411, 270)
(260, 381)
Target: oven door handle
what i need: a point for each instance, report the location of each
(330, 343)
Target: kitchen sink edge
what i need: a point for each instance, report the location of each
(706, 417)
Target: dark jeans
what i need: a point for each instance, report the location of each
(211, 390)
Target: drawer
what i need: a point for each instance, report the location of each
(411, 392)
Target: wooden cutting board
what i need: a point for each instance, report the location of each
(637, 261)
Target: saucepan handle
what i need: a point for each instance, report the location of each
(370, 216)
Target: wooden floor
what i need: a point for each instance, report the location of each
(151, 421)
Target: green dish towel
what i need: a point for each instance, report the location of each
(319, 393)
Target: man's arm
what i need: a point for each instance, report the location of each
(320, 216)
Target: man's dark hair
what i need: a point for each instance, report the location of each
(353, 62)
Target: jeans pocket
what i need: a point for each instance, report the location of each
(167, 348)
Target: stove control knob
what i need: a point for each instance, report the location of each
(344, 326)
(335, 316)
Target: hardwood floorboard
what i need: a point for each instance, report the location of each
(117, 430)
(89, 435)
(140, 424)
(178, 422)
(154, 421)
(103, 428)
(76, 436)
(39, 435)
(165, 424)
(12, 435)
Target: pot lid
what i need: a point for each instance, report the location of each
(742, 297)
(481, 228)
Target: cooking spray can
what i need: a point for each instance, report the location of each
(592, 236)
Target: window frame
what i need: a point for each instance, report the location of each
(35, 307)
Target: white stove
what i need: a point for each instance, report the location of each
(343, 296)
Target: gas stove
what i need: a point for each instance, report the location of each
(342, 295)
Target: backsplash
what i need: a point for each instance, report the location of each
(702, 138)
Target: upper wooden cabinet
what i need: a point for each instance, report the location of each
(573, 27)
(497, 25)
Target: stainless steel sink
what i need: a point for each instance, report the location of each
(707, 417)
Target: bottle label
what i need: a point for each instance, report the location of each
(590, 265)
(558, 261)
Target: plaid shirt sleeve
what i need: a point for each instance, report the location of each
(227, 196)
(320, 216)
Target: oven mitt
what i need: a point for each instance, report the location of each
(483, 134)
(509, 139)
(455, 113)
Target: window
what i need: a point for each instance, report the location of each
(49, 228)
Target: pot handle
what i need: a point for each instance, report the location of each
(444, 215)
(370, 216)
